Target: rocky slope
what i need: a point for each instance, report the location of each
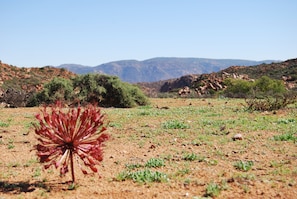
(206, 83)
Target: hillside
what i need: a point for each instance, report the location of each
(158, 69)
(18, 84)
(29, 79)
(278, 70)
(286, 71)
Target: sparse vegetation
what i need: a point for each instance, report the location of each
(154, 162)
(213, 190)
(143, 176)
(243, 165)
(200, 161)
(190, 157)
(174, 124)
(286, 137)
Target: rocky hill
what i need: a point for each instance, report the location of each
(29, 79)
(17, 84)
(208, 82)
(158, 69)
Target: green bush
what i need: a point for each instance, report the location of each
(266, 86)
(59, 89)
(237, 88)
(88, 88)
(261, 88)
(108, 91)
(99, 89)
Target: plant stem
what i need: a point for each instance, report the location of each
(71, 165)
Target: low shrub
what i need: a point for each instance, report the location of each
(270, 103)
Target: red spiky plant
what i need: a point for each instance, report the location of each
(67, 134)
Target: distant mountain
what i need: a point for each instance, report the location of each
(162, 68)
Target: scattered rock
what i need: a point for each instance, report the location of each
(237, 136)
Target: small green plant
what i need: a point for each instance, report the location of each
(72, 186)
(10, 144)
(143, 176)
(144, 113)
(243, 166)
(286, 121)
(212, 162)
(155, 162)
(4, 124)
(182, 172)
(36, 173)
(133, 166)
(175, 124)
(190, 157)
(115, 125)
(30, 162)
(212, 190)
(13, 164)
(285, 137)
(276, 164)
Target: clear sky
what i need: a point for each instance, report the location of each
(37, 33)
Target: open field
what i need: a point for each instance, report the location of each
(174, 148)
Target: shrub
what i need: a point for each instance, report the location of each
(91, 88)
(109, 91)
(59, 89)
(270, 103)
(261, 88)
(237, 88)
(266, 86)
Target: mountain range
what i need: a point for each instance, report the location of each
(161, 68)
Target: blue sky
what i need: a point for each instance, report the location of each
(37, 33)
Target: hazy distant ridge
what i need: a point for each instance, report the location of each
(162, 68)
